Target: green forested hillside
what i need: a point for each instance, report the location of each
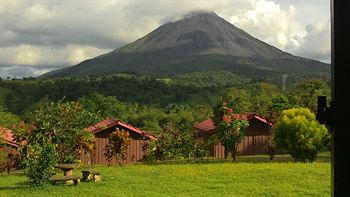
(149, 102)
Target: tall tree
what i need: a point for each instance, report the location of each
(306, 93)
(230, 131)
(240, 97)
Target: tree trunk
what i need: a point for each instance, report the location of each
(234, 152)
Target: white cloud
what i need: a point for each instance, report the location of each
(266, 21)
(317, 42)
(42, 56)
(282, 27)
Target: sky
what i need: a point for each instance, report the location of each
(37, 36)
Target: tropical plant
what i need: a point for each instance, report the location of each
(119, 141)
(87, 142)
(298, 133)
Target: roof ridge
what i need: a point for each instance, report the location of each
(111, 121)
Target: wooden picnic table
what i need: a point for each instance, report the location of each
(67, 168)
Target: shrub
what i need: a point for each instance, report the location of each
(298, 133)
(200, 148)
(40, 163)
(146, 147)
(3, 158)
(119, 141)
(172, 143)
(175, 144)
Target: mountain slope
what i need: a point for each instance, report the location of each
(198, 42)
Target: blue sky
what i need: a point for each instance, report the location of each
(37, 36)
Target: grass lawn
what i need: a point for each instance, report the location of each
(242, 178)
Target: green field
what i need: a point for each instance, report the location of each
(241, 178)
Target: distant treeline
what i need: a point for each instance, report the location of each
(149, 102)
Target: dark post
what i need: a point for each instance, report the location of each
(340, 104)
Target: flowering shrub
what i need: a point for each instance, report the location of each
(230, 130)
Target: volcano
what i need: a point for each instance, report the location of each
(200, 41)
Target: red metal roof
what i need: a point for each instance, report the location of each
(7, 137)
(208, 126)
(111, 122)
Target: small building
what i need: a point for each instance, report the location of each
(256, 137)
(103, 129)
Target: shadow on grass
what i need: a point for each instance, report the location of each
(17, 186)
(13, 173)
(240, 159)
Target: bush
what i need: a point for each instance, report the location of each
(200, 148)
(3, 158)
(108, 154)
(172, 144)
(175, 144)
(40, 163)
(119, 142)
(298, 133)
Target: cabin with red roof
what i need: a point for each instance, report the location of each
(104, 128)
(255, 140)
(7, 139)
(8, 144)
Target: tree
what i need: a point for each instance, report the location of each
(261, 104)
(7, 119)
(62, 124)
(298, 133)
(57, 137)
(104, 106)
(240, 98)
(306, 93)
(230, 131)
(278, 104)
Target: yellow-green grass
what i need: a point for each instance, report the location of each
(193, 179)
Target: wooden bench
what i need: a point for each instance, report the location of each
(91, 175)
(67, 179)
